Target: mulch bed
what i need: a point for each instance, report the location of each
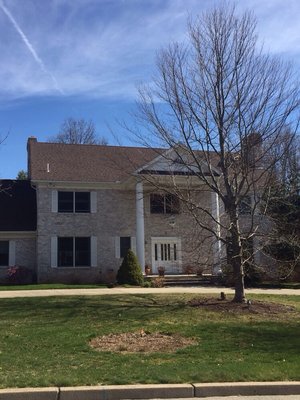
(142, 341)
(253, 307)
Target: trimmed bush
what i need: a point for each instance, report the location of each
(130, 272)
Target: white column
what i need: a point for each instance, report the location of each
(140, 230)
(216, 214)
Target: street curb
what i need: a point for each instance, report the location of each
(117, 392)
(50, 393)
(163, 391)
(246, 389)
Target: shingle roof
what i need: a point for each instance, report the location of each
(17, 206)
(85, 163)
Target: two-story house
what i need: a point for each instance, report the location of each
(94, 202)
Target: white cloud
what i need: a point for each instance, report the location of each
(104, 48)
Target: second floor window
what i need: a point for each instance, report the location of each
(70, 202)
(164, 204)
(245, 206)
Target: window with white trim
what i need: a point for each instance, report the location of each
(164, 203)
(123, 244)
(74, 202)
(4, 253)
(73, 251)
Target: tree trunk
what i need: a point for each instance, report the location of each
(236, 258)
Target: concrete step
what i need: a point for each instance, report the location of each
(184, 280)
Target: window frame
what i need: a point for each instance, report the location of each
(74, 249)
(75, 202)
(124, 248)
(169, 203)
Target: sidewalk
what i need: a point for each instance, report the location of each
(121, 290)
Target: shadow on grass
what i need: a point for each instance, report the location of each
(136, 307)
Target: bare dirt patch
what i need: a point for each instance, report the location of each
(253, 307)
(145, 342)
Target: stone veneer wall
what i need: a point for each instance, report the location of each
(115, 217)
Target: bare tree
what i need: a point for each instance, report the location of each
(220, 102)
(78, 131)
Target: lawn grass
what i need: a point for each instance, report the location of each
(44, 342)
(44, 286)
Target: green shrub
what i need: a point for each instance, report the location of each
(130, 272)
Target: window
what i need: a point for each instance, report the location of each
(65, 202)
(125, 245)
(69, 202)
(74, 251)
(245, 205)
(164, 204)
(4, 253)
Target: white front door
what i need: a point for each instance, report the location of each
(166, 252)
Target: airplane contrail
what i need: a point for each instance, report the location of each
(30, 47)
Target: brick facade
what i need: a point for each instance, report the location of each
(115, 217)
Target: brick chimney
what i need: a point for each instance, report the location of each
(31, 140)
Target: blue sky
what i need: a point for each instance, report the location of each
(85, 59)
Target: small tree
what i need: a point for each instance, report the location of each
(130, 271)
(22, 175)
(78, 131)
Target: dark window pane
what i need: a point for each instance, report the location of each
(157, 204)
(82, 252)
(82, 202)
(65, 201)
(125, 244)
(245, 206)
(4, 250)
(65, 251)
(172, 204)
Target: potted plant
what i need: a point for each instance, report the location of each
(147, 269)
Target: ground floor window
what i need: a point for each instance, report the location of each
(125, 245)
(74, 251)
(4, 253)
